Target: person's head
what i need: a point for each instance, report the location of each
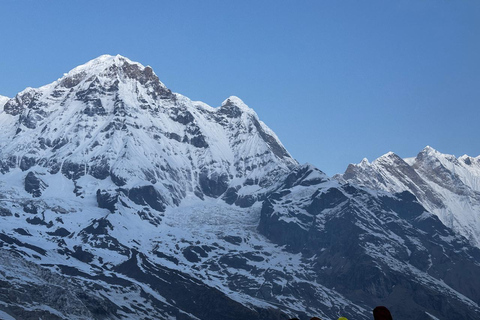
(381, 313)
(315, 318)
(342, 318)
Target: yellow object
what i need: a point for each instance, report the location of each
(342, 318)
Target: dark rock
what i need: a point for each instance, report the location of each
(290, 234)
(233, 239)
(250, 182)
(9, 163)
(92, 92)
(38, 221)
(166, 257)
(13, 107)
(22, 231)
(34, 185)
(27, 162)
(4, 212)
(174, 136)
(59, 143)
(236, 262)
(332, 198)
(107, 199)
(73, 170)
(245, 201)
(82, 255)
(147, 78)
(94, 108)
(254, 257)
(230, 196)
(300, 175)
(58, 209)
(10, 240)
(27, 100)
(147, 195)
(199, 141)
(29, 120)
(183, 117)
(97, 235)
(230, 110)
(147, 215)
(190, 255)
(60, 232)
(117, 180)
(72, 81)
(30, 207)
(53, 166)
(98, 227)
(213, 185)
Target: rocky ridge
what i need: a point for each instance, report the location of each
(444, 184)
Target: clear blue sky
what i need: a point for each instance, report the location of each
(336, 80)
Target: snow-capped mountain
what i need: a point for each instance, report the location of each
(120, 199)
(102, 116)
(445, 185)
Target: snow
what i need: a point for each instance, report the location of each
(456, 201)
(431, 316)
(99, 64)
(236, 101)
(5, 316)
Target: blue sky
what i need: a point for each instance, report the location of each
(336, 80)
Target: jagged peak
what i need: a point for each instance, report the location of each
(364, 162)
(112, 67)
(429, 150)
(234, 101)
(101, 63)
(389, 154)
(429, 153)
(388, 157)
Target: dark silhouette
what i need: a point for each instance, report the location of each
(381, 313)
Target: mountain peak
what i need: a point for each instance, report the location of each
(389, 157)
(364, 162)
(236, 102)
(114, 68)
(429, 150)
(103, 62)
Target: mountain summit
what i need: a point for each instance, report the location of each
(120, 199)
